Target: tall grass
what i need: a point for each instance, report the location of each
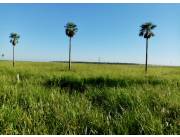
(90, 99)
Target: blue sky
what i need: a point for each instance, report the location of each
(106, 31)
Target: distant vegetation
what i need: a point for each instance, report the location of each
(89, 99)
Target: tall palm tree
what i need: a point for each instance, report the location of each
(70, 30)
(14, 37)
(146, 32)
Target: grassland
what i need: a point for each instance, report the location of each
(91, 99)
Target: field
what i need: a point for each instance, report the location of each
(90, 99)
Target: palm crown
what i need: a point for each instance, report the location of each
(14, 38)
(146, 30)
(71, 29)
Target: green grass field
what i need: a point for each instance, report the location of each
(90, 99)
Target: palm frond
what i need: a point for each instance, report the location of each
(141, 33)
(153, 26)
(146, 30)
(70, 29)
(14, 37)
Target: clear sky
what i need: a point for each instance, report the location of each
(106, 31)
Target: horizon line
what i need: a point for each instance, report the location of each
(94, 62)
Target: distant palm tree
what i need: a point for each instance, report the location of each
(2, 55)
(146, 32)
(70, 30)
(14, 40)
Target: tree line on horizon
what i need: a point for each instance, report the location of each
(71, 29)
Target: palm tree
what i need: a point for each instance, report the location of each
(14, 40)
(2, 55)
(146, 32)
(70, 30)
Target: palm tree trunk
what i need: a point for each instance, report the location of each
(13, 56)
(146, 55)
(70, 53)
